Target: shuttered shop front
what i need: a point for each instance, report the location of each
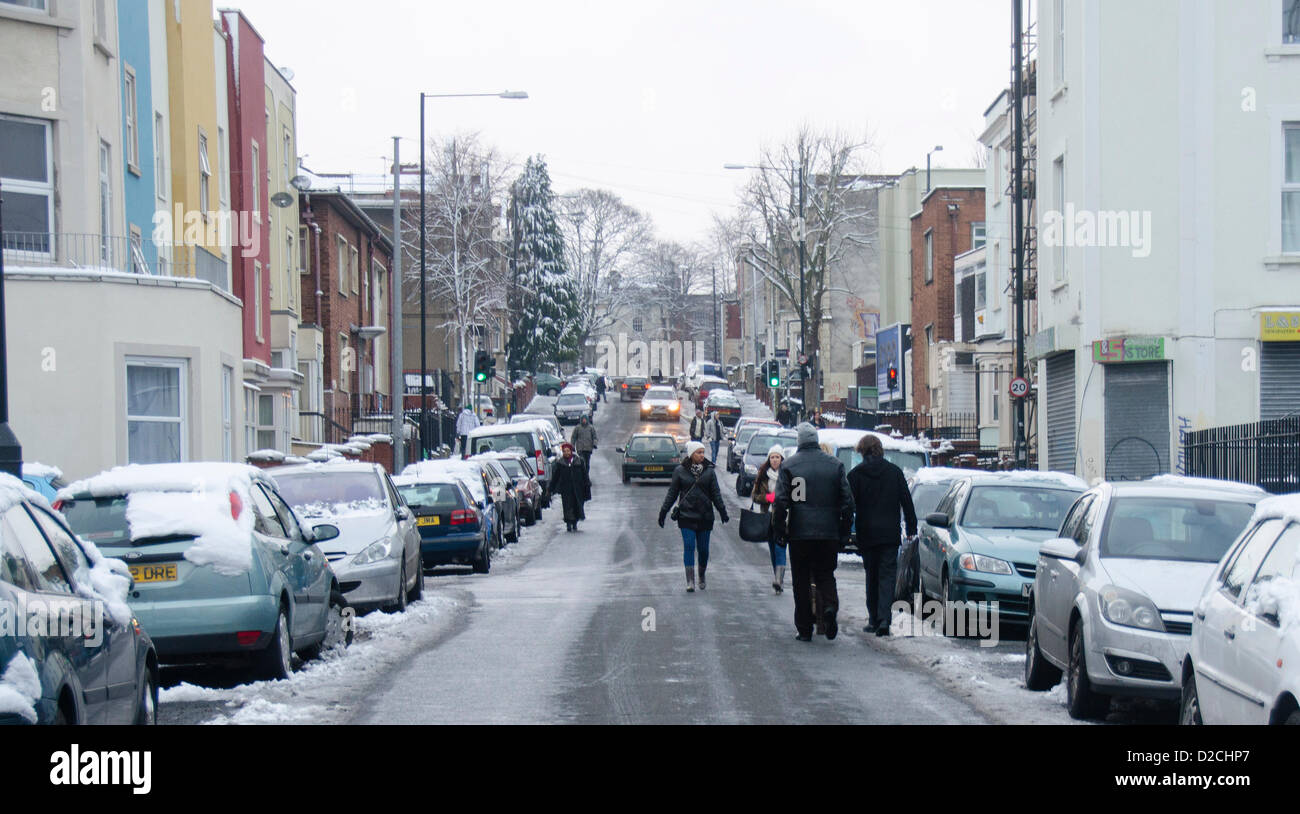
(1137, 420)
(1279, 379)
(1060, 412)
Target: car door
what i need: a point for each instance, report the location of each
(289, 564)
(1059, 585)
(313, 601)
(54, 599)
(1259, 636)
(407, 533)
(934, 541)
(1218, 620)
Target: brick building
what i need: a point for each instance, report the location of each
(949, 222)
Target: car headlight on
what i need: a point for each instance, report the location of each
(644, 406)
(674, 407)
(1121, 606)
(376, 551)
(986, 565)
(750, 469)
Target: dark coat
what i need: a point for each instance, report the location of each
(698, 497)
(785, 417)
(880, 493)
(697, 427)
(823, 509)
(569, 480)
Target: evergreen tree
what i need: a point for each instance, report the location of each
(545, 307)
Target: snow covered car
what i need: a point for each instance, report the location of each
(376, 557)
(90, 662)
(473, 476)
(528, 489)
(1243, 665)
(708, 384)
(927, 486)
(45, 480)
(745, 430)
(223, 569)
(1112, 598)
(660, 403)
(453, 529)
(907, 454)
(725, 404)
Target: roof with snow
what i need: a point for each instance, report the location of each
(178, 477)
(849, 438)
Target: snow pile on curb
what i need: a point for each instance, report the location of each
(20, 688)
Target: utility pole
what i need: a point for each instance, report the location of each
(803, 328)
(398, 427)
(1020, 448)
(11, 452)
(714, 274)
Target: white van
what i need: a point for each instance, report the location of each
(530, 437)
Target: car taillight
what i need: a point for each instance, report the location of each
(236, 505)
(460, 517)
(541, 464)
(58, 505)
(624, 385)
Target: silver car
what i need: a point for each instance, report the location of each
(1112, 599)
(376, 557)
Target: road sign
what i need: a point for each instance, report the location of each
(1019, 387)
(803, 358)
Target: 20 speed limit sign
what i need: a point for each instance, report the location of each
(1019, 387)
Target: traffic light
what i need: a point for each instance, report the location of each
(482, 365)
(773, 369)
(892, 377)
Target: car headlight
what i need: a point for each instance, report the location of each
(376, 551)
(986, 565)
(750, 469)
(645, 406)
(674, 407)
(1121, 606)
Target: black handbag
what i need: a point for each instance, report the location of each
(755, 527)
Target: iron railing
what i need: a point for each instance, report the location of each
(934, 425)
(92, 252)
(1264, 453)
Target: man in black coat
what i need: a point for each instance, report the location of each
(880, 494)
(569, 480)
(784, 417)
(812, 513)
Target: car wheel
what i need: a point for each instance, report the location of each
(1040, 674)
(398, 605)
(945, 597)
(338, 629)
(276, 660)
(739, 483)
(1190, 712)
(483, 564)
(552, 392)
(1083, 702)
(417, 592)
(147, 712)
(626, 479)
(919, 605)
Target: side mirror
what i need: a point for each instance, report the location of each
(403, 513)
(1061, 548)
(937, 519)
(324, 532)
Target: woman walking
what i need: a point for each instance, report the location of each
(694, 489)
(764, 495)
(570, 482)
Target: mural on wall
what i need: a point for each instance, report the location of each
(866, 321)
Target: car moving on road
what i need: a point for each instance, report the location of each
(649, 455)
(1113, 597)
(376, 557)
(1243, 665)
(223, 569)
(572, 406)
(452, 527)
(660, 404)
(62, 675)
(707, 385)
(633, 387)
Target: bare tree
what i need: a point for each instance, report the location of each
(465, 261)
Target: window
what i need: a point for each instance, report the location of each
(994, 268)
(265, 520)
(227, 413)
(1281, 563)
(128, 122)
(101, 21)
(18, 527)
(929, 255)
(286, 159)
(929, 335)
(256, 294)
(1058, 40)
(345, 362)
(343, 266)
(250, 418)
(32, 4)
(637, 324)
(223, 168)
(256, 161)
(155, 410)
(266, 422)
(1058, 201)
(1290, 21)
(976, 235)
(289, 259)
(354, 269)
(378, 309)
(304, 250)
(159, 158)
(205, 174)
(27, 173)
(1291, 189)
(981, 292)
(996, 402)
(138, 264)
(69, 554)
(1250, 555)
(105, 203)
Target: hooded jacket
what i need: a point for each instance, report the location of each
(583, 437)
(879, 493)
(813, 501)
(466, 421)
(698, 497)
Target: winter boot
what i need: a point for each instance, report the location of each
(690, 580)
(701, 577)
(778, 578)
(817, 611)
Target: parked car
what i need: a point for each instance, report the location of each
(519, 418)
(756, 452)
(62, 675)
(548, 385)
(907, 454)
(1243, 663)
(552, 436)
(649, 455)
(695, 373)
(660, 404)
(505, 496)
(528, 489)
(980, 544)
(376, 557)
(487, 409)
(572, 406)
(745, 420)
(927, 486)
(453, 529)
(223, 568)
(633, 387)
(706, 385)
(739, 440)
(44, 480)
(725, 404)
(475, 478)
(1112, 599)
(535, 440)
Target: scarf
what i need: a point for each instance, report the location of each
(697, 469)
(772, 476)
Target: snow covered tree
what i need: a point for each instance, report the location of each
(542, 298)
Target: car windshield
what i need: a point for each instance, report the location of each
(760, 444)
(709, 369)
(652, 444)
(1017, 507)
(1173, 528)
(634, 382)
(745, 433)
(660, 393)
(499, 442)
(571, 400)
(926, 497)
(439, 496)
(330, 489)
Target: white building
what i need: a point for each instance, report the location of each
(1169, 224)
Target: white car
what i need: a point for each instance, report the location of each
(1244, 663)
(1112, 598)
(660, 403)
(696, 371)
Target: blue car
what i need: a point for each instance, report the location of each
(452, 529)
(92, 662)
(46, 481)
(474, 477)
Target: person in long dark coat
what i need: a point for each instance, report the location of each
(881, 498)
(570, 482)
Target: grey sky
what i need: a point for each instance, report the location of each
(648, 99)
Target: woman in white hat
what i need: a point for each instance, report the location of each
(694, 489)
(764, 495)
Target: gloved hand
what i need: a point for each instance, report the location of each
(661, 521)
(771, 497)
(725, 517)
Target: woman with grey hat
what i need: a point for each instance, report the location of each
(694, 489)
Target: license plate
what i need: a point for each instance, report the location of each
(429, 521)
(153, 573)
(1024, 589)
(654, 469)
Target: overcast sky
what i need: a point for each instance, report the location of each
(648, 99)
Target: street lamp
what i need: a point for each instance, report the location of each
(11, 452)
(937, 148)
(424, 363)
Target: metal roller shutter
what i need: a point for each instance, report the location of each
(1279, 379)
(1060, 413)
(1137, 420)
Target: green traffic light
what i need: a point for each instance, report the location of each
(774, 382)
(480, 377)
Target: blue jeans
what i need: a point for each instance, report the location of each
(691, 540)
(715, 450)
(777, 552)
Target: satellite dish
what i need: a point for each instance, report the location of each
(300, 182)
(282, 199)
(287, 73)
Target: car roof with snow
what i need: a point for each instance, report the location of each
(343, 466)
(174, 477)
(707, 379)
(412, 480)
(939, 474)
(1172, 485)
(1028, 477)
(1279, 507)
(849, 438)
(500, 429)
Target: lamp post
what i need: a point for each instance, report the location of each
(937, 148)
(424, 363)
(11, 452)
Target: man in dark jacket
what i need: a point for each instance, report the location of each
(812, 512)
(880, 494)
(569, 480)
(583, 439)
(696, 428)
(784, 417)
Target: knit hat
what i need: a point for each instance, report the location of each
(691, 446)
(565, 445)
(807, 434)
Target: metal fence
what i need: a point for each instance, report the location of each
(1265, 453)
(92, 252)
(934, 425)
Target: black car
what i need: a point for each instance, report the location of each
(756, 452)
(736, 449)
(650, 455)
(633, 387)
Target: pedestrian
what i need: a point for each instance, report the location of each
(764, 495)
(783, 416)
(819, 420)
(812, 514)
(583, 439)
(880, 496)
(694, 488)
(569, 480)
(466, 422)
(600, 388)
(713, 433)
(697, 426)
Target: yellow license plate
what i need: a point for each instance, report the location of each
(654, 469)
(153, 573)
(429, 521)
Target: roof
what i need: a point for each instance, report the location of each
(177, 477)
(503, 429)
(1281, 507)
(332, 467)
(849, 438)
(1029, 476)
(939, 474)
(1206, 483)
